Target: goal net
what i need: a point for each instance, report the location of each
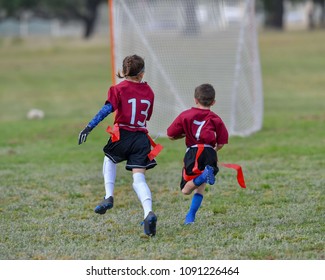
(186, 43)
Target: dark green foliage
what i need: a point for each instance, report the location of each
(82, 10)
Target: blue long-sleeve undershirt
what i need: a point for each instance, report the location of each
(102, 114)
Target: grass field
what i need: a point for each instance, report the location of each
(49, 185)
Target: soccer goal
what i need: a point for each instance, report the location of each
(189, 42)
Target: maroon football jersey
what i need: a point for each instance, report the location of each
(200, 127)
(133, 104)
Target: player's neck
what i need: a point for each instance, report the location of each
(199, 106)
(133, 80)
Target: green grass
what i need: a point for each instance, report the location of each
(49, 185)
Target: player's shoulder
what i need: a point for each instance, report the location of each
(187, 112)
(146, 85)
(192, 110)
(214, 115)
(120, 85)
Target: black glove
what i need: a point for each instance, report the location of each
(83, 134)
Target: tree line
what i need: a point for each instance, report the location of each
(86, 11)
(274, 11)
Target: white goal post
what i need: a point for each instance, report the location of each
(186, 43)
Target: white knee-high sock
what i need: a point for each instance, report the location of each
(143, 192)
(109, 173)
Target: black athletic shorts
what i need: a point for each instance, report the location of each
(133, 147)
(208, 157)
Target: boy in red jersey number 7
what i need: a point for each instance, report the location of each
(132, 100)
(205, 134)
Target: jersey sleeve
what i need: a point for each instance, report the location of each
(222, 133)
(176, 128)
(112, 98)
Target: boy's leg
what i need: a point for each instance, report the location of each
(207, 176)
(189, 188)
(144, 194)
(195, 205)
(109, 173)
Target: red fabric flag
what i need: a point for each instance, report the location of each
(157, 148)
(114, 132)
(240, 174)
(155, 151)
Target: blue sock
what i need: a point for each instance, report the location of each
(195, 205)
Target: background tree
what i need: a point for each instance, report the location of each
(274, 12)
(312, 23)
(85, 11)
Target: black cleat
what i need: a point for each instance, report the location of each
(106, 204)
(150, 224)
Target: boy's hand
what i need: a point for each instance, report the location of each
(176, 137)
(218, 147)
(83, 134)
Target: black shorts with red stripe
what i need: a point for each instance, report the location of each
(133, 147)
(207, 157)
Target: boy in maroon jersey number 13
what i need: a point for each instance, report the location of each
(132, 101)
(205, 134)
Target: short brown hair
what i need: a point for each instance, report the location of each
(205, 94)
(133, 65)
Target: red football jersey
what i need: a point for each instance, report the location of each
(200, 126)
(132, 103)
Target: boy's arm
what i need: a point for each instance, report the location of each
(102, 114)
(176, 137)
(175, 130)
(219, 147)
(222, 133)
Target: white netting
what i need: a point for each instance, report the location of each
(189, 42)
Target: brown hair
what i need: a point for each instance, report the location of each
(205, 94)
(133, 65)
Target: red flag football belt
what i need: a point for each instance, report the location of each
(197, 172)
(115, 135)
